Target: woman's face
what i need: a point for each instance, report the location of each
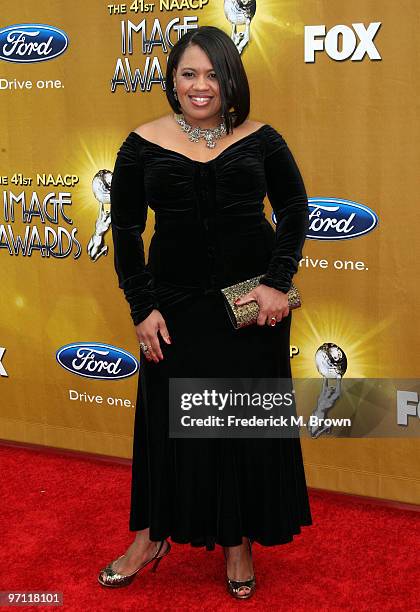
(197, 88)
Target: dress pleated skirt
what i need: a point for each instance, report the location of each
(207, 491)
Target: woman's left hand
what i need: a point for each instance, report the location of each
(271, 302)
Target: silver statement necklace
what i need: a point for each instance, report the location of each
(210, 135)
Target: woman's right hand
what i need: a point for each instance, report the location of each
(147, 332)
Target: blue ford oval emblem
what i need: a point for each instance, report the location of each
(337, 219)
(31, 42)
(96, 360)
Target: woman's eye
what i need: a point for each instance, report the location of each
(212, 74)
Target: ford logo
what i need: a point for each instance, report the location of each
(336, 219)
(31, 42)
(96, 360)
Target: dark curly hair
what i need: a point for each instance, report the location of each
(228, 66)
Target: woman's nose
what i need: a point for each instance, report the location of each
(200, 83)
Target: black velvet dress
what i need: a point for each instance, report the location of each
(210, 232)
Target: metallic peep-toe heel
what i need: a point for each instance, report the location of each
(110, 578)
(235, 586)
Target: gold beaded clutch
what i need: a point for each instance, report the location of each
(247, 314)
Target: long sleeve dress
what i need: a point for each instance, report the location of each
(210, 232)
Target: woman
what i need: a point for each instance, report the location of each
(210, 232)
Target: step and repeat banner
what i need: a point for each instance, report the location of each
(340, 82)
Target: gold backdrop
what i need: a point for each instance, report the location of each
(347, 104)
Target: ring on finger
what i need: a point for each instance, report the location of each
(273, 321)
(145, 347)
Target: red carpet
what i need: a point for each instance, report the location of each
(63, 518)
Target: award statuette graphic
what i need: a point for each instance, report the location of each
(331, 363)
(101, 187)
(240, 12)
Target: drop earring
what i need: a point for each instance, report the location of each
(175, 94)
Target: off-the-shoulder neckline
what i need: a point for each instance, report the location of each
(196, 161)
